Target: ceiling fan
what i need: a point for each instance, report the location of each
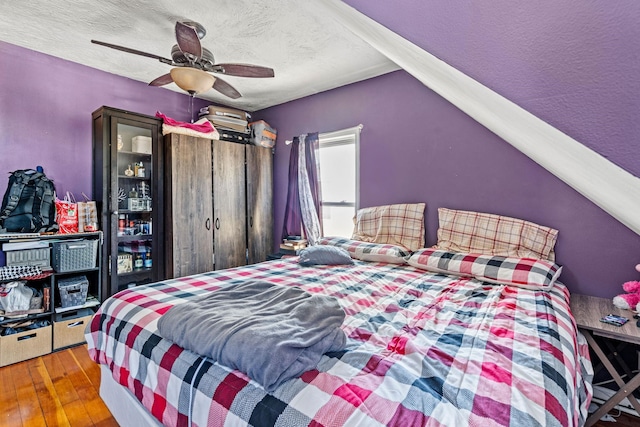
(192, 63)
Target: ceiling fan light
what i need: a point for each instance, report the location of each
(192, 80)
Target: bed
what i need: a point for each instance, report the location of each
(424, 348)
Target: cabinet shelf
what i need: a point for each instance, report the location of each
(70, 273)
(137, 178)
(140, 272)
(143, 237)
(58, 274)
(92, 301)
(7, 320)
(134, 154)
(39, 280)
(26, 237)
(129, 211)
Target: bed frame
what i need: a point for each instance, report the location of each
(124, 407)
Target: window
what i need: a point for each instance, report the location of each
(338, 158)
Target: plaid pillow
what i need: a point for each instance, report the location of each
(369, 251)
(401, 225)
(482, 233)
(523, 272)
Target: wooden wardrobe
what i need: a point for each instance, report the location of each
(219, 210)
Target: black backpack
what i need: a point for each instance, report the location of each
(29, 204)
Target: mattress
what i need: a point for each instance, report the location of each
(423, 349)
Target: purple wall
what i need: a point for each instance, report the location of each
(574, 66)
(45, 113)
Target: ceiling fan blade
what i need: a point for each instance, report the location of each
(134, 51)
(165, 79)
(243, 70)
(226, 89)
(188, 40)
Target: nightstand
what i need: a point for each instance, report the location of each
(588, 311)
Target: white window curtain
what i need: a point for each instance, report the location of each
(308, 208)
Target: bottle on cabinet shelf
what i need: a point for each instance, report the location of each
(121, 224)
(147, 260)
(143, 190)
(138, 263)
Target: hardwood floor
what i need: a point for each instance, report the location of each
(59, 389)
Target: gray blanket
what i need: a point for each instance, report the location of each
(271, 333)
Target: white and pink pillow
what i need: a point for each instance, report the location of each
(528, 273)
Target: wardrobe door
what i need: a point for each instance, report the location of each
(259, 203)
(189, 207)
(229, 205)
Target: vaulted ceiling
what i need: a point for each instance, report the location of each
(309, 51)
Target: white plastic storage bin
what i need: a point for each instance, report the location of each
(39, 257)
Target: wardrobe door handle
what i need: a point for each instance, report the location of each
(217, 223)
(207, 224)
(251, 221)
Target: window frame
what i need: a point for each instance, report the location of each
(346, 136)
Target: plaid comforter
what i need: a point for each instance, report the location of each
(423, 349)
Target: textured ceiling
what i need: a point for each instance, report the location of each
(309, 51)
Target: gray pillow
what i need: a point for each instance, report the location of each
(324, 255)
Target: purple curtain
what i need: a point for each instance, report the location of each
(292, 215)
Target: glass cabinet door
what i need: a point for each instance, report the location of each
(132, 198)
(128, 188)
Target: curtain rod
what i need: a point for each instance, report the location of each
(359, 128)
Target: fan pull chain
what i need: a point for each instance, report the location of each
(192, 95)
